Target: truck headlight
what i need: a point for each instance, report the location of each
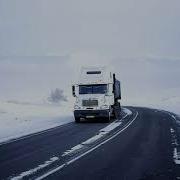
(105, 107)
(77, 107)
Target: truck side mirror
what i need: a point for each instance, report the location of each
(73, 91)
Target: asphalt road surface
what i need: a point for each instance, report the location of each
(139, 146)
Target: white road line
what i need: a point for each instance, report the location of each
(102, 132)
(51, 172)
(32, 171)
(173, 116)
(176, 156)
(87, 152)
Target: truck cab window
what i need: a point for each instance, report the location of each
(93, 89)
(85, 89)
(100, 89)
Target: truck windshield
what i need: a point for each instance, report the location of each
(93, 89)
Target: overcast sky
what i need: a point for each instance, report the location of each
(114, 28)
(46, 41)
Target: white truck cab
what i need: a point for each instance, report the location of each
(97, 93)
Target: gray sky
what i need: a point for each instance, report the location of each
(104, 27)
(43, 43)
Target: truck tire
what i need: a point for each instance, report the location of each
(117, 110)
(107, 119)
(77, 119)
(113, 112)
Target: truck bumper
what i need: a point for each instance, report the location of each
(91, 113)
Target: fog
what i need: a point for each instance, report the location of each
(44, 43)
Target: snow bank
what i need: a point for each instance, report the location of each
(20, 119)
(126, 111)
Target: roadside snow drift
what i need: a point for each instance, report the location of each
(20, 119)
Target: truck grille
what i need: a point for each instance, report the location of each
(89, 102)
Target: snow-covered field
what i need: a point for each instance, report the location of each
(18, 119)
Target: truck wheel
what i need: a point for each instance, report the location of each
(107, 119)
(77, 120)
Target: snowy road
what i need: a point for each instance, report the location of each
(141, 145)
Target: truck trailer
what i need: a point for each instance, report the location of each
(97, 94)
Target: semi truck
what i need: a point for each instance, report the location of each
(97, 94)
